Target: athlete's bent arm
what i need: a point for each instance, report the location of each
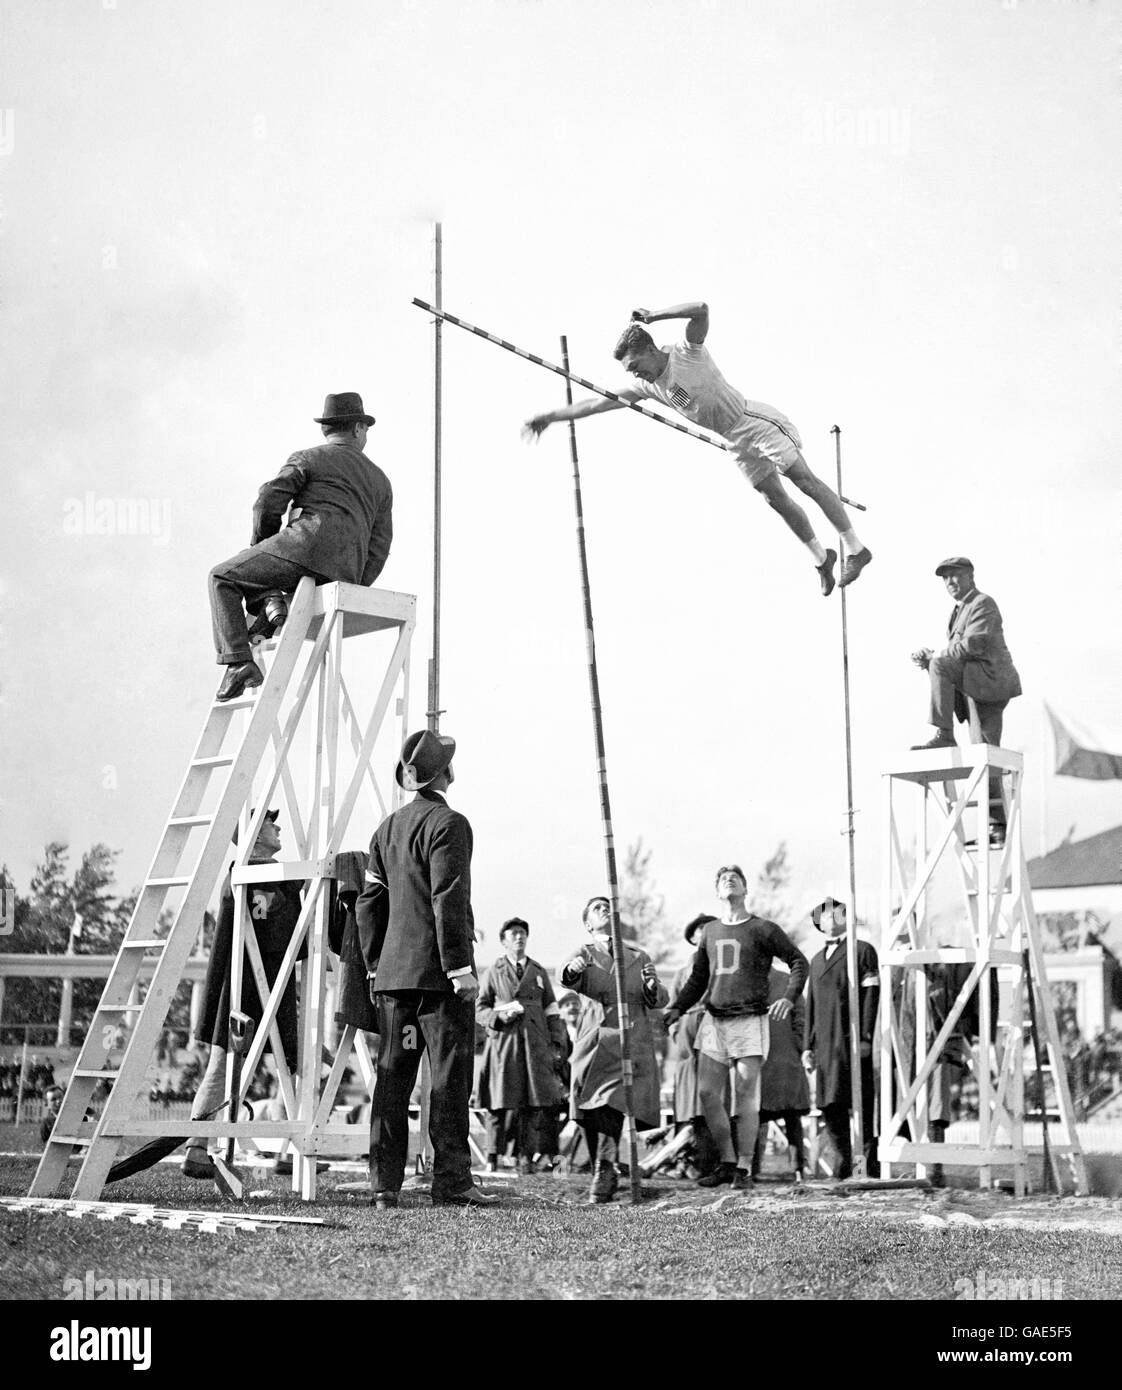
(697, 313)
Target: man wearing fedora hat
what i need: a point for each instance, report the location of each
(973, 678)
(340, 527)
(417, 932)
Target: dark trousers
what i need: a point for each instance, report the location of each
(247, 578)
(409, 1022)
(984, 718)
(528, 1130)
(792, 1127)
(836, 1119)
(603, 1129)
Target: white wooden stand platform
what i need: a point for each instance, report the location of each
(990, 928)
(247, 757)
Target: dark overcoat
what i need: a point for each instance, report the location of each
(341, 523)
(683, 1037)
(783, 1083)
(827, 1018)
(414, 916)
(519, 1066)
(975, 636)
(353, 1005)
(273, 910)
(597, 1060)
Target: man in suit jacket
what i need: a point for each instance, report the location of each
(340, 527)
(827, 1032)
(973, 678)
(416, 932)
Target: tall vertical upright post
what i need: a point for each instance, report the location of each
(605, 810)
(857, 1121)
(434, 710)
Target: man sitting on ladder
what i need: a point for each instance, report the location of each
(764, 443)
(340, 527)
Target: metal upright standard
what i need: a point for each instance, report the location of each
(246, 758)
(856, 1114)
(989, 932)
(605, 810)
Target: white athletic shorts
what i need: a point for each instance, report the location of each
(761, 448)
(726, 1039)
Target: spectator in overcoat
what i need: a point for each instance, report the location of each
(683, 1051)
(597, 1062)
(519, 1083)
(827, 1032)
(784, 1093)
(273, 908)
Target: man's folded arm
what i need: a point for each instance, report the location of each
(274, 497)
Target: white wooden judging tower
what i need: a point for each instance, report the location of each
(937, 819)
(303, 721)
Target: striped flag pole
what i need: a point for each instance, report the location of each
(605, 806)
(583, 381)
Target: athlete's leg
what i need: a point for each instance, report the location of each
(746, 1079)
(810, 485)
(771, 489)
(712, 1086)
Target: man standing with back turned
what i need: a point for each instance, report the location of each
(340, 527)
(416, 930)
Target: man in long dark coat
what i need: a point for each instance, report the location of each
(417, 934)
(340, 527)
(827, 1032)
(518, 1080)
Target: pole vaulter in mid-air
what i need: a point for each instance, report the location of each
(764, 443)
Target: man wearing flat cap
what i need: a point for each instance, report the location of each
(973, 678)
(340, 527)
(417, 933)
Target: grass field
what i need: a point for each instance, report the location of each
(541, 1244)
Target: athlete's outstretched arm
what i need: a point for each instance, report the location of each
(698, 315)
(594, 405)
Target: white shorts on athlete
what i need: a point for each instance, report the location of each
(728, 1039)
(761, 448)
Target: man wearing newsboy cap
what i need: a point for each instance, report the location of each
(339, 527)
(417, 934)
(973, 678)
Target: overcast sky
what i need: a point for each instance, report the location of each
(904, 217)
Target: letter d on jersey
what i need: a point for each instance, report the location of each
(728, 956)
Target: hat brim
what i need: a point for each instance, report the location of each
(344, 419)
(410, 784)
(944, 570)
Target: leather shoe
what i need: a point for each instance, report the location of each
(942, 739)
(237, 679)
(469, 1197)
(384, 1201)
(724, 1172)
(854, 564)
(605, 1182)
(826, 572)
(198, 1164)
(742, 1181)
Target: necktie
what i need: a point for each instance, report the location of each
(520, 969)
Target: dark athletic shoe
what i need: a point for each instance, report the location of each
(854, 564)
(384, 1201)
(723, 1173)
(237, 679)
(742, 1181)
(826, 572)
